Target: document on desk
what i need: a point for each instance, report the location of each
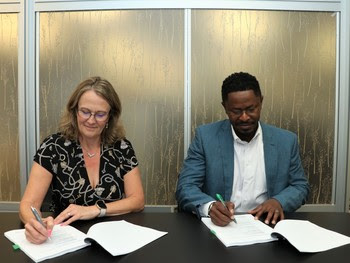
(308, 237)
(303, 235)
(116, 237)
(64, 239)
(247, 231)
(121, 237)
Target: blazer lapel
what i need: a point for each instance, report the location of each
(226, 151)
(270, 156)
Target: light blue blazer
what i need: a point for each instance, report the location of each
(208, 168)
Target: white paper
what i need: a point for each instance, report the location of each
(308, 237)
(303, 235)
(117, 237)
(64, 239)
(121, 237)
(247, 231)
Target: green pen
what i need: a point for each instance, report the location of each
(219, 197)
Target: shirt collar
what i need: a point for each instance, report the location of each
(237, 139)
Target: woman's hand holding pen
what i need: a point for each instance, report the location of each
(36, 232)
(221, 215)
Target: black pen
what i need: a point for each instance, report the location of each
(38, 218)
(222, 201)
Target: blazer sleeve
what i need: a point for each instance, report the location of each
(189, 193)
(294, 192)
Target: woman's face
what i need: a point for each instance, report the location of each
(92, 115)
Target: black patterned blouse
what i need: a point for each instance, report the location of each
(70, 183)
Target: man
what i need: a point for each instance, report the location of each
(254, 166)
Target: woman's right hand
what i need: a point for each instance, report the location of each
(36, 233)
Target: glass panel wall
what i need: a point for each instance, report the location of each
(293, 55)
(141, 53)
(9, 148)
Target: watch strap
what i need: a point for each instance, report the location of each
(102, 212)
(102, 207)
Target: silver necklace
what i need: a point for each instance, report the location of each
(90, 155)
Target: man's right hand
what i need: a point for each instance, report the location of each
(220, 215)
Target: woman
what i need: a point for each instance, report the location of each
(90, 166)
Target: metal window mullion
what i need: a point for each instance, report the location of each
(335, 180)
(30, 84)
(45, 5)
(10, 8)
(37, 80)
(22, 145)
(342, 157)
(187, 80)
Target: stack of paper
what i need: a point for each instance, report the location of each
(303, 235)
(117, 237)
(247, 231)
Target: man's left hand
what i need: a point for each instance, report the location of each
(272, 208)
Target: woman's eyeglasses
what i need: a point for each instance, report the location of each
(99, 115)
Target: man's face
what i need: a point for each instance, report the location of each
(243, 110)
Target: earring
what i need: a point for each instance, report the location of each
(107, 125)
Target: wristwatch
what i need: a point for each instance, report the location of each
(102, 206)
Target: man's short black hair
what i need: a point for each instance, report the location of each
(240, 81)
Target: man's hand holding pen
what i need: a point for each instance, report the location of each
(221, 215)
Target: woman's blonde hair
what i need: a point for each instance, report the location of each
(114, 129)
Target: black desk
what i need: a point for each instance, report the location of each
(189, 240)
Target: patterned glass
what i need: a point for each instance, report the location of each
(293, 55)
(9, 150)
(141, 53)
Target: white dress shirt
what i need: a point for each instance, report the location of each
(249, 178)
(249, 182)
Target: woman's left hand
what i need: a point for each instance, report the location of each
(76, 212)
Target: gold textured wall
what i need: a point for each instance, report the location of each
(293, 55)
(9, 150)
(141, 53)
